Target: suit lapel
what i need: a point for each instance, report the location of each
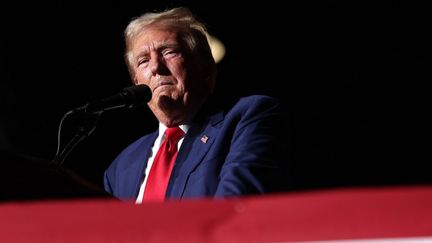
(134, 174)
(197, 143)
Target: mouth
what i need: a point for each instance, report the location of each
(163, 83)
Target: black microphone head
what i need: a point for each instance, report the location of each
(129, 97)
(137, 95)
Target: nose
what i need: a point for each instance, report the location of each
(156, 64)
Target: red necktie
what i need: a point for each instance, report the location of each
(163, 163)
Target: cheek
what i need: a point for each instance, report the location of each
(142, 76)
(177, 67)
(179, 72)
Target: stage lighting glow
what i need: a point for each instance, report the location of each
(217, 48)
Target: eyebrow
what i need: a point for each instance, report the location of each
(168, 45)
(162, 46)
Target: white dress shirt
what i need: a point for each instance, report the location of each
(159, 140)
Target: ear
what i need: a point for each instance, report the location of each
(135, 80)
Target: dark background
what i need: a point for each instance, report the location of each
(352, 76)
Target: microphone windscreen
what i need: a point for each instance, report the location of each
(138, 94)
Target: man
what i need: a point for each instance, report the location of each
(221, 153)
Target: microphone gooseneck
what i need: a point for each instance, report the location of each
(88, 116)
(130, 97)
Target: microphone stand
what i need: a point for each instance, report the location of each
(88, 125)
(90, 113)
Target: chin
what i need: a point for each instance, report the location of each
(166, 102)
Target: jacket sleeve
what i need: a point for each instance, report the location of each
(258, 153)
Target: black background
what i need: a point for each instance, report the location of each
(352, 76)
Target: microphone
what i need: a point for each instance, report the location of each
(129, 97)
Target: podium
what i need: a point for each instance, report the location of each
(393, 214)
(25, 178)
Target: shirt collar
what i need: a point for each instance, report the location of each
(162, 128)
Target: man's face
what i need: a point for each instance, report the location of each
(161, 61)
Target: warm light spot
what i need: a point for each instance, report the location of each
(217, 48)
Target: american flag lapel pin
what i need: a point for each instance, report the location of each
(204, 139)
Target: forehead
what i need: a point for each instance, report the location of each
(155, 36)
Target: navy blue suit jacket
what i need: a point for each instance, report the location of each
(242, 155)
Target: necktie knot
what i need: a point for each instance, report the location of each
(174, 134)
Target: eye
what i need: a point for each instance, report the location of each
(170, 52)
(142, 61)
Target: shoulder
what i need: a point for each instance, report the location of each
(251, 109)
(227, 108)
(257, 100)
(255, 103)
